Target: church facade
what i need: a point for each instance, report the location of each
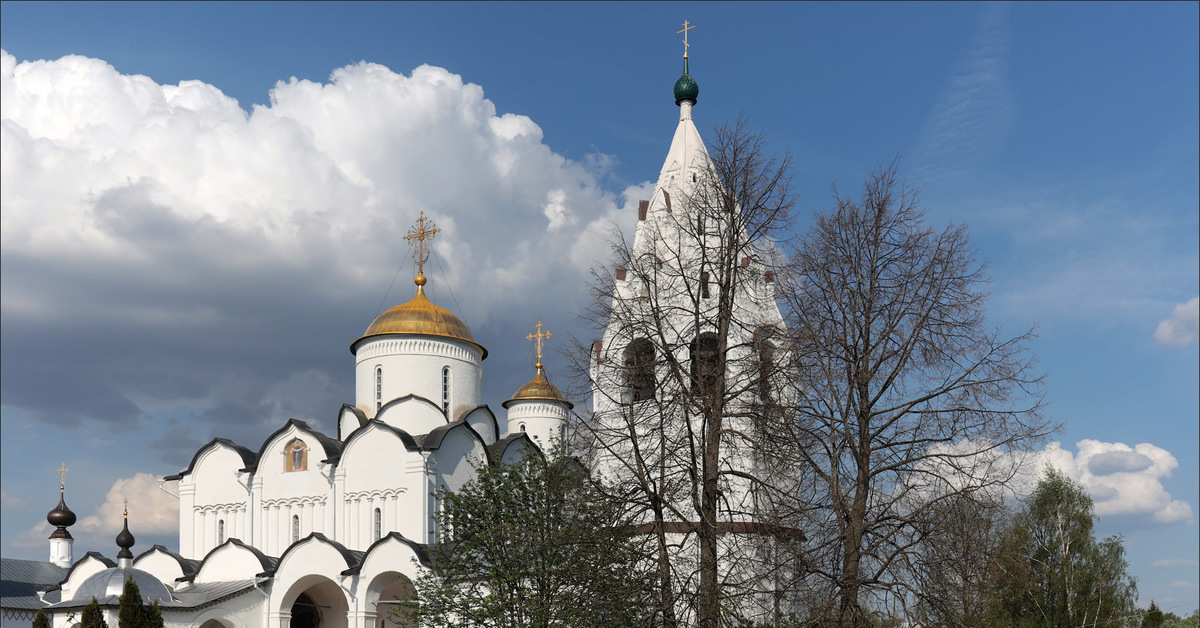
(313, 529)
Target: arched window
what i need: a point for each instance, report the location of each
(220, 531)
(378, 524)
(295, 528)
(296, 454)
(446, 391)
(639, 370)
(522, 427)
(378, 388)
(704, 364)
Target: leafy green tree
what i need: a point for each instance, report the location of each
(1053, 571)
(92, 617)
(40, 620)
(132, 613)
(532, 545)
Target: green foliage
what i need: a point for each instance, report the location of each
(1153, 617)
(1053, 571)
(93, 617)
(154, 618)
(40, 620)
(532, 544)
(132, 613)
(1171, 620)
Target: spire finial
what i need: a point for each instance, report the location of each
(425, 230)
(537, 339)
(126, 510)
(686, 28)
(62, 477)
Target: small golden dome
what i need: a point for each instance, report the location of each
(538, 389)
(420, 316)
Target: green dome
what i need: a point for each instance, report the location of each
(686, 89)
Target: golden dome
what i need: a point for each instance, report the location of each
(420, 316)
(538, 389)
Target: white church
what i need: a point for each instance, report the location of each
(309, 529)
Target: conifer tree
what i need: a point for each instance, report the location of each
(92, 616)
(154, 618)
(132, 613)
(40, 620)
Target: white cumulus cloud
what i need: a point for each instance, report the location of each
(1182, 328)
(154, 209)
(151, 510)
(1122, 480)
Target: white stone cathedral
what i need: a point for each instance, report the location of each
(318, 530)
(309, 529)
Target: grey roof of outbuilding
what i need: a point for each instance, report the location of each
(20, 581)
(205, 593)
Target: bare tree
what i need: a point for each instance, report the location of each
(906, 399)
(678, 381)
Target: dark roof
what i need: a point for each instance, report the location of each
(249, 458)
(20, 581)
(353, 558)
(485, 408)
(188, 565)
(433, 440)
(268, 563)
(409, 442)
(421, 551)
(332, 447)
(496, 450)
(358, 414)
(198, 596)
(399, 400)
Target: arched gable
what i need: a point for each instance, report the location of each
(233, 560)
(413, 414)
(483, 421)
(214, 473)
(456, 450)
(307, 562)
(291, 464)
(249, 458)
(165, 565)
(389, 559)
(377, 457)
(324, 447)
(513, 448)
(349, 419)
(91, 564)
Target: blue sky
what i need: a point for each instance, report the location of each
(177, 266)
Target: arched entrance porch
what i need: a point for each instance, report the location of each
(314, 602)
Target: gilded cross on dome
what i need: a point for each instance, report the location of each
(424, 231)
(538, 339)
(686, 28)
(62, 475)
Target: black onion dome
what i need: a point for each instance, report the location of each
(125, 541)
(61, 516)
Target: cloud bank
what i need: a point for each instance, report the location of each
(168, 255)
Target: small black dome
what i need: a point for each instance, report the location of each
(125, 541)
(61, 516)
